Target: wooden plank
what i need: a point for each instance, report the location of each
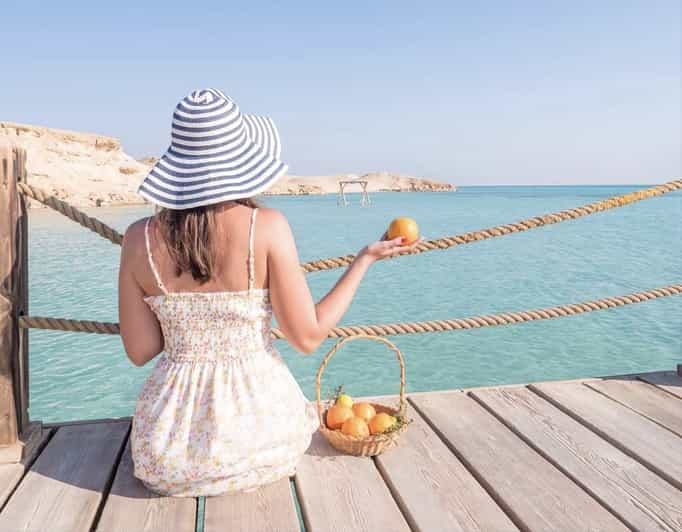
(656, 404)
(637, 495)
(535, 494)
(341, 492)
(10, 277)
(270, 508)
(434, 490)
(131, 506)
(11, 474)
(669, 381)
(63, 488)
(57, 424)
(654, 446)
(21, 367)
(15, 453)
(493, 387)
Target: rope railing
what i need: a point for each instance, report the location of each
(516, 227)
(102, 229)
(392, 329)
(71, 212)
(331, 263)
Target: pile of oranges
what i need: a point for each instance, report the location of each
(357, 419)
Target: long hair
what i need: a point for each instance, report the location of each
(189, 235)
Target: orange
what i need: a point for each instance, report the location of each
(405, 227)
(364, 410)
(355, 426)
(337, 415)
(381, 423)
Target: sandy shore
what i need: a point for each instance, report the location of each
(87, 169)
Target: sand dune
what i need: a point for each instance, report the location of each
(86, 169)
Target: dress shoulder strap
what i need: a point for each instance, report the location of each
(151, 260)
(251, 248)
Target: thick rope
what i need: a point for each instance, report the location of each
(70, 211)
(391, 329)
(441, 243)
(63, 324)
(516, 227)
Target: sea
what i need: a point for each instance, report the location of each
(73, 274)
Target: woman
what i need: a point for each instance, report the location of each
(198, 283)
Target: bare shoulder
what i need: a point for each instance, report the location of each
(133, 239)
(275, 221)
(277, 230)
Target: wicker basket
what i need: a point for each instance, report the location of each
(376, 443)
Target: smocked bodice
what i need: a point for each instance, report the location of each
(212, 326)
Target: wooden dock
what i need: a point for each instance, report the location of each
(593, 454)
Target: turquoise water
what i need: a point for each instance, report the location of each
(73, 273)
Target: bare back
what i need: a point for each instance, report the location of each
(232, 251)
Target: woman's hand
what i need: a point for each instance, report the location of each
(385, 248)
(304, 323)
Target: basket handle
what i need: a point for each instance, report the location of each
(337, 346)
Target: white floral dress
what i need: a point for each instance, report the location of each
(220, 412)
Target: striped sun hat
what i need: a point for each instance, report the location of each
(216, 154)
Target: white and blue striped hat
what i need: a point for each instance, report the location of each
(216, 154)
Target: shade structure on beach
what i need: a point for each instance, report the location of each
(216, 154)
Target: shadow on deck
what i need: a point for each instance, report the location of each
(597, 454)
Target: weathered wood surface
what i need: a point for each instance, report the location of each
(57, 424)
(63, 489)
(131, 506)
(340, 492)
(433, 488)
(650, 401)
(669, 381)
(550, 456)
(15, 453)
(270, 508)
(654, 446)
(531, 490)
(637, 495)
(11, 474)
(21, 367)
(11, 299)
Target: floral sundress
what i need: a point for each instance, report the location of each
(220, 411)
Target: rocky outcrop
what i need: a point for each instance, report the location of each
(93, 170)
(376, 182)
(81, 168)
(400, 183)
(148, 161)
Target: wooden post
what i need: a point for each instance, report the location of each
(15, 429)
(341, 199)
(365, 195)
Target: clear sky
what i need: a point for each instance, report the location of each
(489, 92)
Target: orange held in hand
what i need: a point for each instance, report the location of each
(355, 426)
(405, 227)
(337, 415)
(364, 410)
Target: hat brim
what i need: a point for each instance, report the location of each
(249, 165)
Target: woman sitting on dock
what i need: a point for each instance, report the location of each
(198, 283)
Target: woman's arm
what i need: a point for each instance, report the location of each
(140, 330)
(305, 324)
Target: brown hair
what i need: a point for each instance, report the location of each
(189, 237)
